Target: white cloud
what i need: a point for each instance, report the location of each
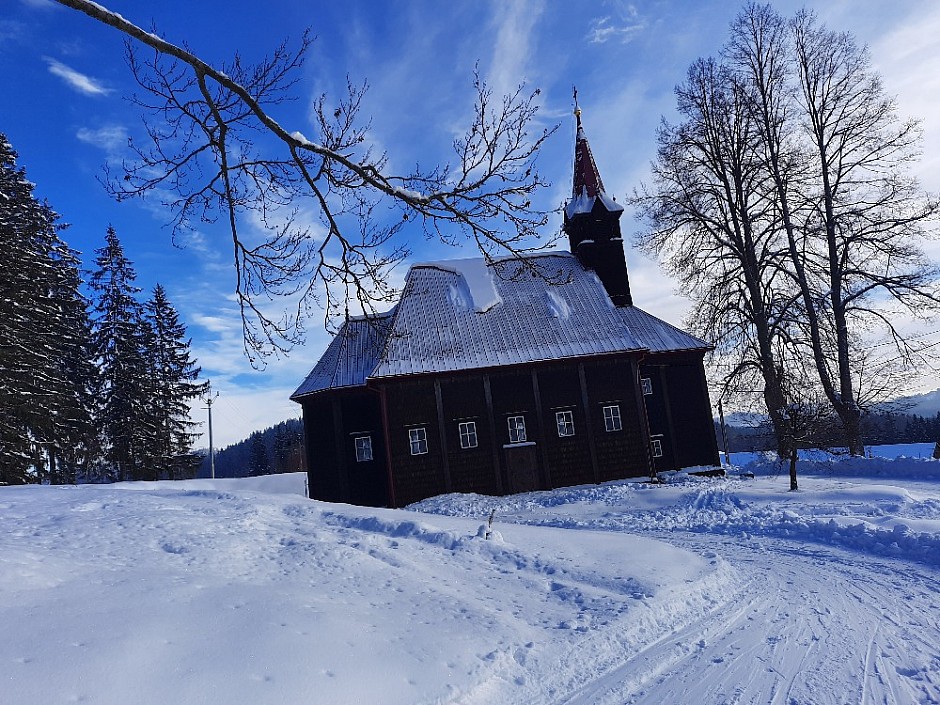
(76, 80)
(110, 138)
(624, 27)
(515, 22)
(40, 4)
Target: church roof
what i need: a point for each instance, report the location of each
(350, 357)
(469, 314)
(587, 187)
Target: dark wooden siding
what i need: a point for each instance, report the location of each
(471, 469)
(325, 470)
(622, 453)
(679, 411)
(411, 404)
(367, 481)
(331, 422)
(569, 457)
(512, 395)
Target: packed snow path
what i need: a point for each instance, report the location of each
(809, 625)
(699, 593)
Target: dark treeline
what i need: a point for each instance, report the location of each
(878, 428)
(274, 450)
(93, 388)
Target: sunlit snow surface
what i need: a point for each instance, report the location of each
(694, 591)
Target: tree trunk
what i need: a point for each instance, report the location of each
(793, 458)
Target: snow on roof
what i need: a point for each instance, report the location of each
(550, 307)
(477, 276)
(542, 307)
(583, 203)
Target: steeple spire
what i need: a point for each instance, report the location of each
(587, 179)
(592, 221)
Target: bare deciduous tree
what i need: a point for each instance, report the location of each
(714, 225)
(867, 213)
(842, 217)
(217, 151)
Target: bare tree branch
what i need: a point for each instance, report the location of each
(217, 151)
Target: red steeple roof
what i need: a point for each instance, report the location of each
(587, 186)
(587, 179)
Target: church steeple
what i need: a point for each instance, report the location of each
(592, 222)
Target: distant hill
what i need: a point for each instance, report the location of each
(927, 404)
(274, 450)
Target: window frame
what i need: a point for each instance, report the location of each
(613, 422)
(517, 432)
(564, 423)
(656, 447)
(367, 447)
(467, 432)
(418, 439)
(646, 384)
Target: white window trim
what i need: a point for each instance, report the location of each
(646, 384)
(613, 422)
(564, 423)
(416, 438)
(518, 429)
(367, 447)
(656, 446)
(468, 431)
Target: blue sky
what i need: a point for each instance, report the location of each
(64, 110)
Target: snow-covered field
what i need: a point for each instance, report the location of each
(696, 591)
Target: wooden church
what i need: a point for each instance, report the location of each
(509, 376)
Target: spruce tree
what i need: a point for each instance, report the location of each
(118, 342)
(44, 368)
(172, 377)
(258, 463)
(70, 436)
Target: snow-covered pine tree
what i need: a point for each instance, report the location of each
(173, 375)
(70, 439)
(21, 216)
(118, 345)
(42, 314)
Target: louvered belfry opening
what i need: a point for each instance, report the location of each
(592, 223)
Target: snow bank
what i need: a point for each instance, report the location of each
(872, 518)
(285, 483)
(900, 467)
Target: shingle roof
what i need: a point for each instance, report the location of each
(350, 356)
(546, 307)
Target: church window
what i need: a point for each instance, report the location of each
(565, 422)
(516, 429)
(612, 420)
(418, 439)
(363, 449)
(468, 434)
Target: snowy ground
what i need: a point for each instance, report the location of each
(696, 591)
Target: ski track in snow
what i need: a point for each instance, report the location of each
(697, 592)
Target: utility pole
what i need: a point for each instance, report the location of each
(210, 397)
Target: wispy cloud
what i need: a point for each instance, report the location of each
(41, 4)
(75, 79)
(11, 30)
(624, 27)
(515, 22)
(110, 138)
